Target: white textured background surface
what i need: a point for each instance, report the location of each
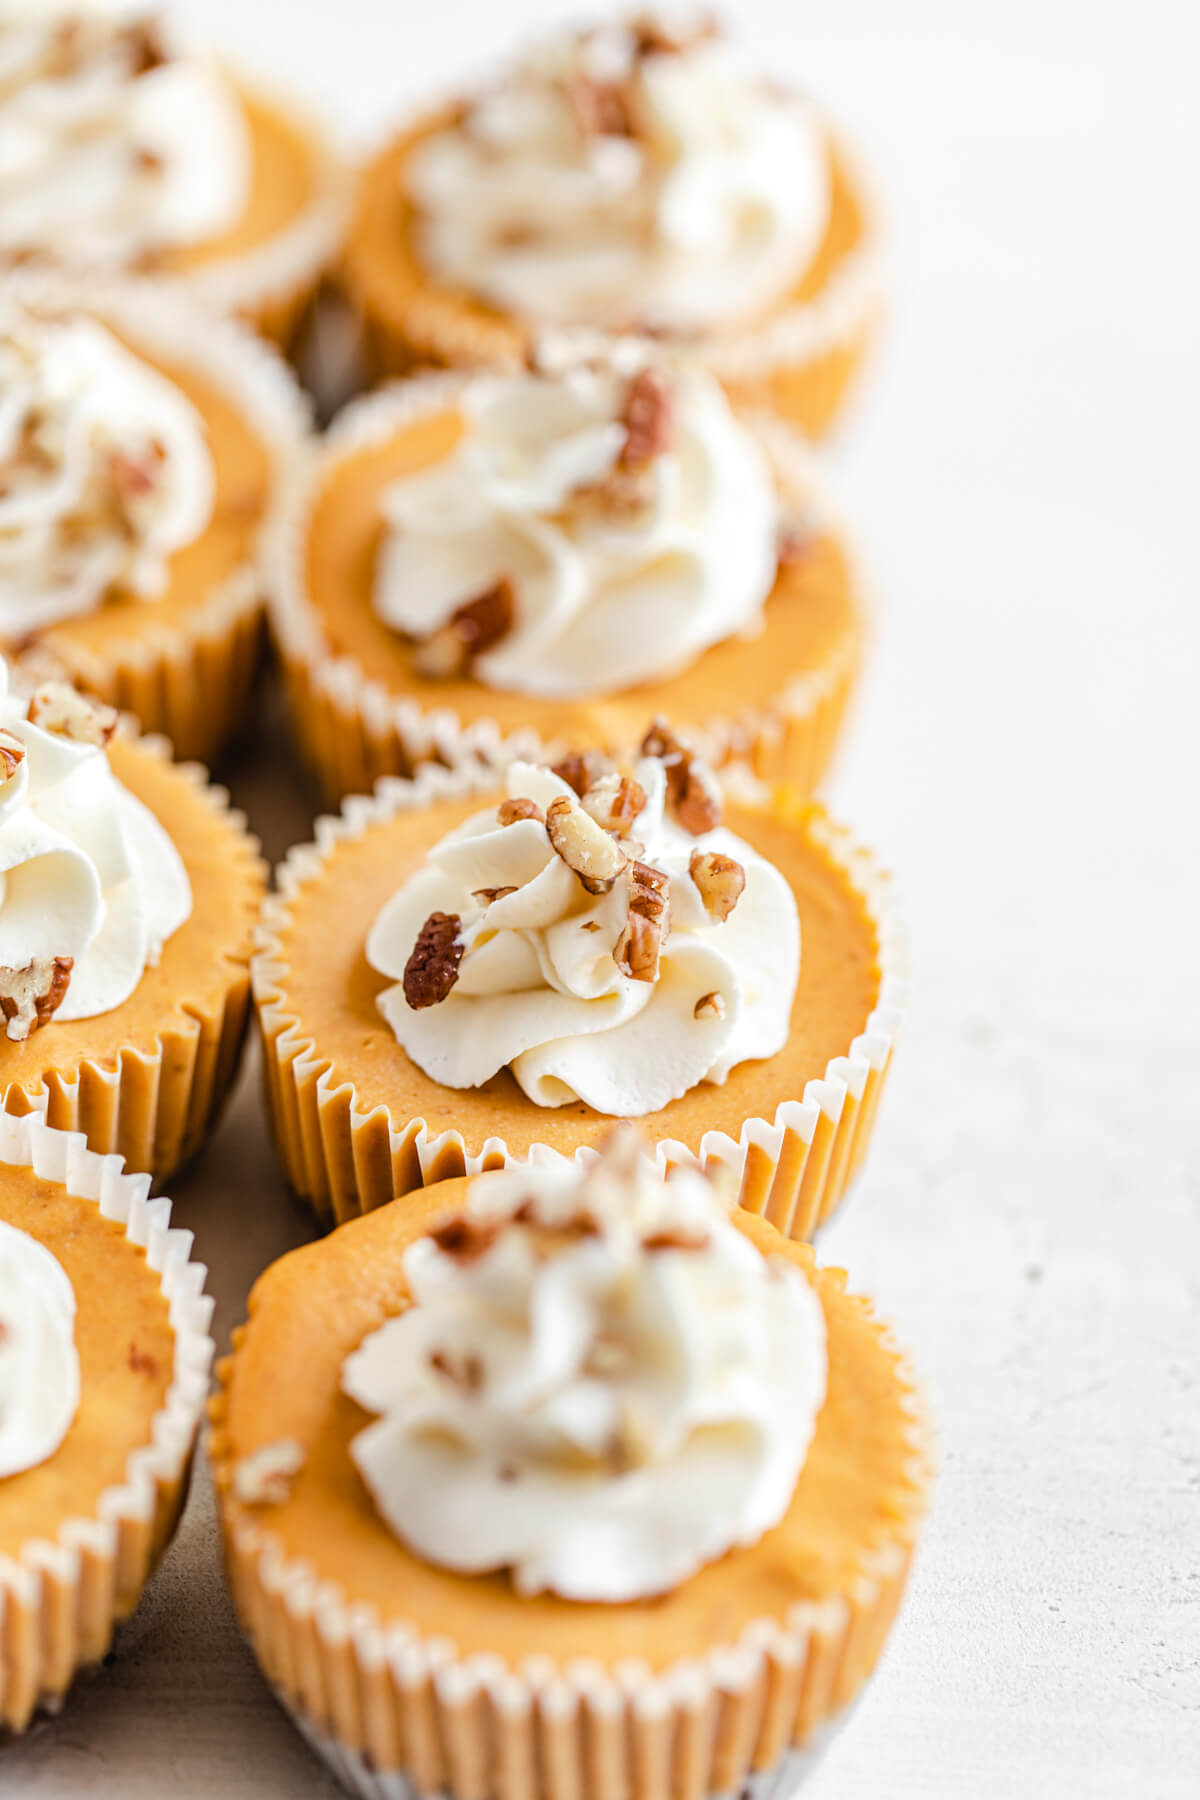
(1023, 474)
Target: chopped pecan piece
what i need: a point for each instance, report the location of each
(465, 1239)
(464, 1371)
(30, 996)
(487, 896)
(638, 948)
(588, 851)
(146, 47)
(720, 881)
(600, 108)
(676, 1238)
(471, 630)
(432, 969)
(582, 769)
(615, 801)
(12, 754)
(709, 1006)
(693, 793)
(509, 811)
(654, 35)
(649, 420)
(57, 707)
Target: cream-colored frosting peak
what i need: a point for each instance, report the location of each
(600, 1384)
(629, 519)
(105, 471)
(628, 177)
(91, 886)
(111, 148)
(623, 992)
(39, 1365)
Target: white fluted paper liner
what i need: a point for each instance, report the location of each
(793, 1167)
(61, 1597)
(154, 1103)
(353, 729)
(400, 1715)
(191, 677)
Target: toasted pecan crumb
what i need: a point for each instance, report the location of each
(649, 420)
(465, 1239)
(638, 948)
(709, 1006)
(509, 811)
(588, 851)
(656, 36)
(676, 1238)
(615, 801)
(432, 969)
(12, 754)
(693, 792)
(58, 707)
(582, 769)
(486, 896)
(471, 630)
(464, 1371)
(30, 996)
(720, 881)
(599, 108)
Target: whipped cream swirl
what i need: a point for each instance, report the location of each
(601, 1384)
(39, 1365)
(112, 150)
(91, 886)
(105, 471)
(634, 176)
(624, 998)
(626, 515)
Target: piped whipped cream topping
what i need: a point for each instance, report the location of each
(600, 1384)
(39, 1365)
(600, 935)
(601, 522)
(635, 176)
(112, 148)
(105, 471)
(91, 886)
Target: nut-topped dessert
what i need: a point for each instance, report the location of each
(126, 153)
(142, 451)
(452, 978)
(491, 564)
(127, 894)
(632, 175)
(475, 1454)
(104, 1366)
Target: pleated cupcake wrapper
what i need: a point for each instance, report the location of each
(271, 286)
(792, 1168)
(353, 730)
(190, 678)
(61, 1597)
(155, 1104)
(400, 1715)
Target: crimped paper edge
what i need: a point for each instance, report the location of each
(96, 1097)
(85, 1568)
(375, 732)
(343, 1659)
(792, 1168)
(179, 668)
